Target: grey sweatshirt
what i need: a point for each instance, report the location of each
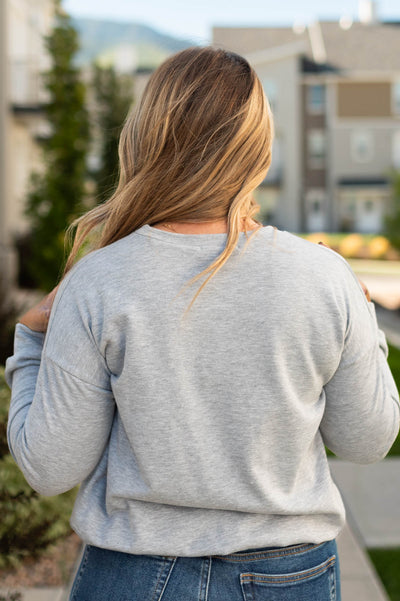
(203, 435)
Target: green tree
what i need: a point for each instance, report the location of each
(392, 220)
(113, 94)
(57, 195)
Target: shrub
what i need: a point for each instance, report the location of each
(378, 247)
(8, 314)
(351, 245)
(392, 219)
(356, 246)
(319, 237)
(29, 522)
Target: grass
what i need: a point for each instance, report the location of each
(387, 564)
(394, 362)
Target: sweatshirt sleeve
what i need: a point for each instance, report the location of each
(62, 406)
(361, 418)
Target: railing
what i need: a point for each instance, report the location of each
(26, 84)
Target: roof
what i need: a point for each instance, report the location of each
(374, 47)
(246, 40)
(371, 47)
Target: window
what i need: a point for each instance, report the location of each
(316, 206)
(362, 146)
(316, 148)
(396, 97)
(351, 205)
(316, 99)
(368, 205)
(315, 210)
(270, 89)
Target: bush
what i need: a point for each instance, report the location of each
(29, 522)
(392, 220)
(356, 246)
(351, 245)
(8, 314)
(378, 247)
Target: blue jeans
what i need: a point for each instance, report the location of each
(297, 573)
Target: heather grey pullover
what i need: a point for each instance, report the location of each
(205, 435)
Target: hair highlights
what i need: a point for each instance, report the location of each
(194, 149)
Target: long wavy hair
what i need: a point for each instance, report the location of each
(194, 149)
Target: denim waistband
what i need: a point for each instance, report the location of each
(270, 552)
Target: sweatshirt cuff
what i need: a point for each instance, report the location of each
(28, 346)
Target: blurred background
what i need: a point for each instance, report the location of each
(69, 73)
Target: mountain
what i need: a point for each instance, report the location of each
(132, 44)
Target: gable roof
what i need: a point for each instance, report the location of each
(373, 47)
(248, 40)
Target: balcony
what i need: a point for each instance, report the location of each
(27, 93)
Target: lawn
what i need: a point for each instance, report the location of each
(387, 564)
(394, 362)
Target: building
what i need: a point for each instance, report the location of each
(23, 58)
(334, 89)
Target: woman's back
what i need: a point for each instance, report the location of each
(195, 417)
(217, 434)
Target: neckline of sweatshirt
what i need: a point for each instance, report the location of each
(199, 240)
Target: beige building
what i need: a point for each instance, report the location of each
(22, 60)
(334, 88)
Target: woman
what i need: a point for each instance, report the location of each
(195, 417)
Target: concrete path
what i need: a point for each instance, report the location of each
(389, 322)
(382, 278)
(372, 495)
(358, 577)
(38, 594)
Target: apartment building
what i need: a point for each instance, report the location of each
(334, 88)
(22, 60)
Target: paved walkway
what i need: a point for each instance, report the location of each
(372, 495)
(382, 279)
(358, 577)
(389, 322)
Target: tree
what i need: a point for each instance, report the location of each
(114, 98)
(56, 196)
(392, 220)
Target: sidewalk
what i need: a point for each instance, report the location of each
(372, 497)
(359, 580)
(389, 322)
(382, 278)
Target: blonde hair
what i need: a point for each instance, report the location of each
(194, 149)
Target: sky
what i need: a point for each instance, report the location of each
(193, 20)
